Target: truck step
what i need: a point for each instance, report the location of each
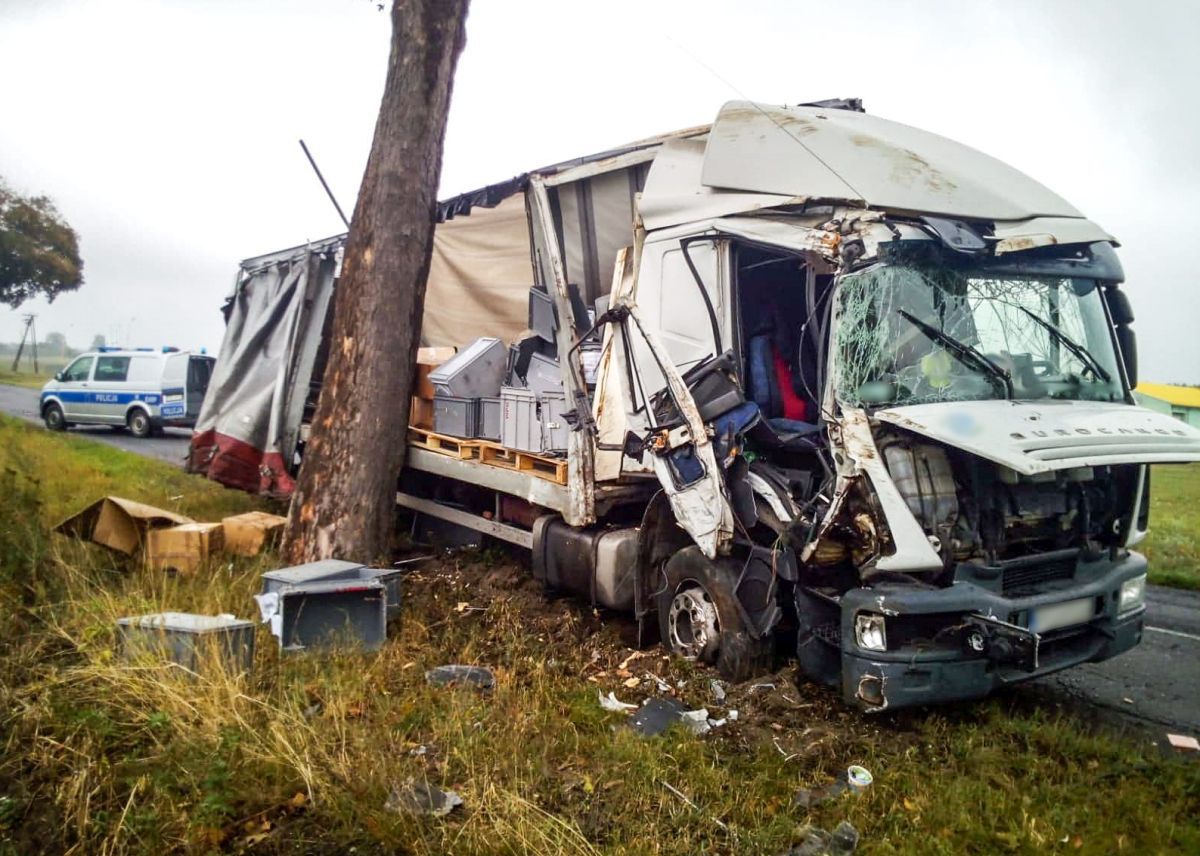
(551, 469)
(454, 447)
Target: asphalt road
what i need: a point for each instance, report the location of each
(171, 447)
(1157, 684)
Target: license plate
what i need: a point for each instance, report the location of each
(1065, 614)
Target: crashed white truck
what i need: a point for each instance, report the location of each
(864, 393)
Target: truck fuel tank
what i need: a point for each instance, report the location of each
(597, 563)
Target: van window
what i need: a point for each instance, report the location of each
(175, 371)
(144, 370)
(112, 369)
(78, 370)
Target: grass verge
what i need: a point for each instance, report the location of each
(1172, 545)
(28, 379)
(105, 755)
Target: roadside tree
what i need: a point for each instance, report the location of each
(39, 251)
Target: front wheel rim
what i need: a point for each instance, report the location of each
(692, 623)
(138, 423)
(54, 417)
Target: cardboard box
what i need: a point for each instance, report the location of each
(119, 524)
(428, 359)
(420, 413)
(247, 534)
(183, 548)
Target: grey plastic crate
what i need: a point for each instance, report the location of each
(189, 640)
(489, 419)
(474, 372)
(312, 572)
(519, 425)
(544, 374)
(390, 577)
(555, 429)
(456, 417)
(541, 314)
(322, 614)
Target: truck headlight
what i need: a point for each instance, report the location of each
(870, 632)
(1133, 594)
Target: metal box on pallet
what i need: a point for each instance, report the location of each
(327, 613)
(190, 640)
(555, 428)
(312, 572)
(475, 371)
(456, 417)
(544, 374)
(490, 419)
(519, 428)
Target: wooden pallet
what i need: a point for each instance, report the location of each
(454, 447)
(550, 469)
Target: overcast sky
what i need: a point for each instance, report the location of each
(166, 129)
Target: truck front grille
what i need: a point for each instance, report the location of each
(1025, 578)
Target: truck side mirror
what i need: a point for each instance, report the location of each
(1127, 342)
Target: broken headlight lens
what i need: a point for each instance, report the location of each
(1133, 594)
(870, 632)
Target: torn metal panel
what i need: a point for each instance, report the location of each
(1043, 436)
(820, 153)
(913, 552)
(580, 475)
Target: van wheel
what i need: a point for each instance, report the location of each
(699, 619)
(139, 424)
(54, 418)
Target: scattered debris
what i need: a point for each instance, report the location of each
(624, 664)
(422, 798)
(663, 686)
(767, 686)
(683, 797)
(611, 702)
(631, 683)
(731, 715)
(818, 842)
(1183, 742)
(476, 676)
(658, 714)
(248, 534)
(718, 691)
(859, 778)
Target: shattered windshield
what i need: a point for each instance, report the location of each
(915, 333)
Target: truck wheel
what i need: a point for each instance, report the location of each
(699, 618)
(53, 416)
(139, 424)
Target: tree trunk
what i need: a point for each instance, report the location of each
(344, 505)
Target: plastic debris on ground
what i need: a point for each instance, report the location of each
(611, 702)
(475, 676)
(422, 798)
(718, 690)
(656, 715)
(855, 779)
(1183, 742)
(818, 842)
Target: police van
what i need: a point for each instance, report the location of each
(140, 389)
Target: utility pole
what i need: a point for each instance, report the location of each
(29, 328)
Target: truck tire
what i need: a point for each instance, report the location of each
(139, 423)
(699, 618)
(53, 417)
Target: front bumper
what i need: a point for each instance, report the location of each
(939, 666)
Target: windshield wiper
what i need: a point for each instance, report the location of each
(963, 351)
(1082, 353)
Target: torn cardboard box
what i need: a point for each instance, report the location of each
(428, 359)
(247, 534)
(120, 524)
(183, 548)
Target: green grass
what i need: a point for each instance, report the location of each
(26, 377)
(103, 755)
(1172, 545)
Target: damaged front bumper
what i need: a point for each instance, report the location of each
(963, 641)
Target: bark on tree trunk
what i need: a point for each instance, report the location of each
(345, 501)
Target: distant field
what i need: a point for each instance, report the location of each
(27, 377)
(1173, 543)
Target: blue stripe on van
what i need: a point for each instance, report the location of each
(81, 396)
